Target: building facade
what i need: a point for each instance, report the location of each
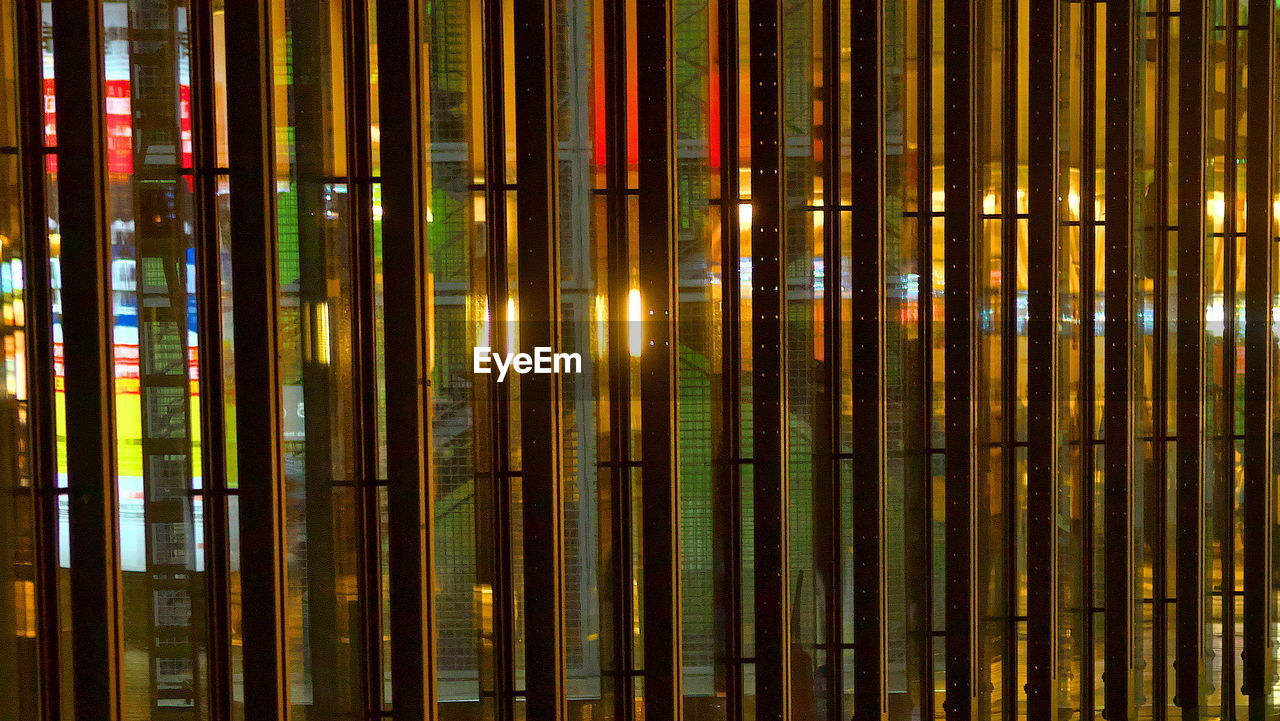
(928, 355)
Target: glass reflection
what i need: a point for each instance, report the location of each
(19, 677)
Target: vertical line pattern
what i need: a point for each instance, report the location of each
(657, 690)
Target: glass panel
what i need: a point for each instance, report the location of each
(18, 634)
(808, 426)
(699, 373)
(995, 276)
(473, 618)
(909, 310)
(151, 212)
(317, 356)
(582, 246)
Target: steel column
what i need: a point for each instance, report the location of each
(250, 134)
(409, 453)
(538, 263)
(919, 514)
(212, 392)
(616, 498)
(1010, 360)
(829, 523)
(494, 497)
(1193, 124)
(1043, 439)
(962, 231)
(1118, 359)
(89, 368)
(769, 367)
(38, 305)
(867, 364)
(1089, 264)
(355, 46)
(1225, 438)
(726, 507)
(660, 534)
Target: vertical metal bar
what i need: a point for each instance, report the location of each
(727, 490)
(1190, 578)
(769, 368)
(1156, 223)
(826, 446)
(537, 233)
(41, 407)
(1224, 492)
(828, 503)
(212, 392)
(1088, 345)
(867, 364)
(660, 539)
(1042, 355)
(368, 660)
(1118, 360)
(86, 290)
(616, 510)
(961, 233)
(1259, 356)
(250, 133)
(1010, 360)
(919, 511)
(494, 500)
(409, 457)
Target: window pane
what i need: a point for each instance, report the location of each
(151, 215)
(317, 355)
(18, 635)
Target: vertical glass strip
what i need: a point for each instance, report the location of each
(151, 207)
(316, 357)
(807, 422)
(19, 546)
(699, 292)
(580, 252)
(1075, 297)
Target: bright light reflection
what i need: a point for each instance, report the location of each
(634, 334)
(513, 336)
